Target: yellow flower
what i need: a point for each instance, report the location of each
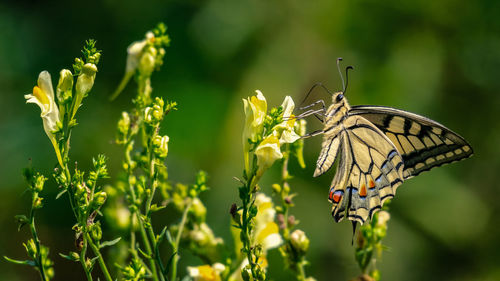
(285, 131)
(267, 152)
(266, 231)
(43, 96)
(255, 112)
(84, 84)
(206, 272)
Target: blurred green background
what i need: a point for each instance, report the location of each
(437, 58)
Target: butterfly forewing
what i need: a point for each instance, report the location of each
(422, 142)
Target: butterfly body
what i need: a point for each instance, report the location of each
(377, 149)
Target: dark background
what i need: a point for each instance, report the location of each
(436, 58)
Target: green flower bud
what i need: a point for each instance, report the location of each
(30, 247)
(95, 231)
(39, 182)
(276, 188)
(299, 241)
(160, 146)
(124, 124)
(100, 198)
(85, 80)
(65, 86)
(246, 273)
(37, 202)
(147, 62)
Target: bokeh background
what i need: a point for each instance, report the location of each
(437, 58)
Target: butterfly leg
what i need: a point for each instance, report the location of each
(312, 134)
(322, 102)
(310, 112)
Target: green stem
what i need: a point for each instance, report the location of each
(83, 253)
(247, 203)
(178, 240)
(37, 243)
(96, 251)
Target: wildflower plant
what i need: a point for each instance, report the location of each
(141, 249)
(267, 138)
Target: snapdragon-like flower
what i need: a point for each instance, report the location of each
(267, 153)
(286, 129)
(206, 272)
(43, 96)
(135, 53)
(160, 146)
(255, 113)
(266, 231)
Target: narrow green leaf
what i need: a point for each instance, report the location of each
(61, 193)
(25, 262)
(109, 243)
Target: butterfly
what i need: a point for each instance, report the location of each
(377, 148)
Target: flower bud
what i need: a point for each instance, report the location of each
(65, 86)
(85, 80)
(147, 62)
(124, 124)
(95, 231)
(160, 146)
(39, 182)
(299, 241)
(100, 198)
(37, 203)
(276, 188)
(198, 210)
(30, 248)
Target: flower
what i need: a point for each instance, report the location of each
(206, 272)
(255, 108)
(84, 84)
(160, 146)
(383, 218)
(135, 51)
(299, 241)
(285, 130)
(266, 231)
(267, 152)
(43, 96)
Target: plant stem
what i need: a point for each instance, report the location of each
(96, 251)
(37, 243)
(178, 240)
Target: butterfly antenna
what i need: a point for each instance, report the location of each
(319, 84)
(340, 73)
(346, 78)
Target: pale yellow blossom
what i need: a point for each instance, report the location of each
(285, 130)
(255, 108)
(267, 153)
(43, 96)
(206, 272)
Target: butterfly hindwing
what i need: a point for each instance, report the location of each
(369, 169)
(422, 142)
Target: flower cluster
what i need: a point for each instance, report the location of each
(38, 253)
(369, 242)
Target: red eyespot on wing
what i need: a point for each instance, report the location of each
(336, 195)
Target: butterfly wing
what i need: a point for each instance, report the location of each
(422, 142)
(368, 173)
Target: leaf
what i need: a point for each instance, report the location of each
(144, 254)
(72, 256)
(169, 263)
(22, 220)
(109, 243)
(25, 262)
(61, 193)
